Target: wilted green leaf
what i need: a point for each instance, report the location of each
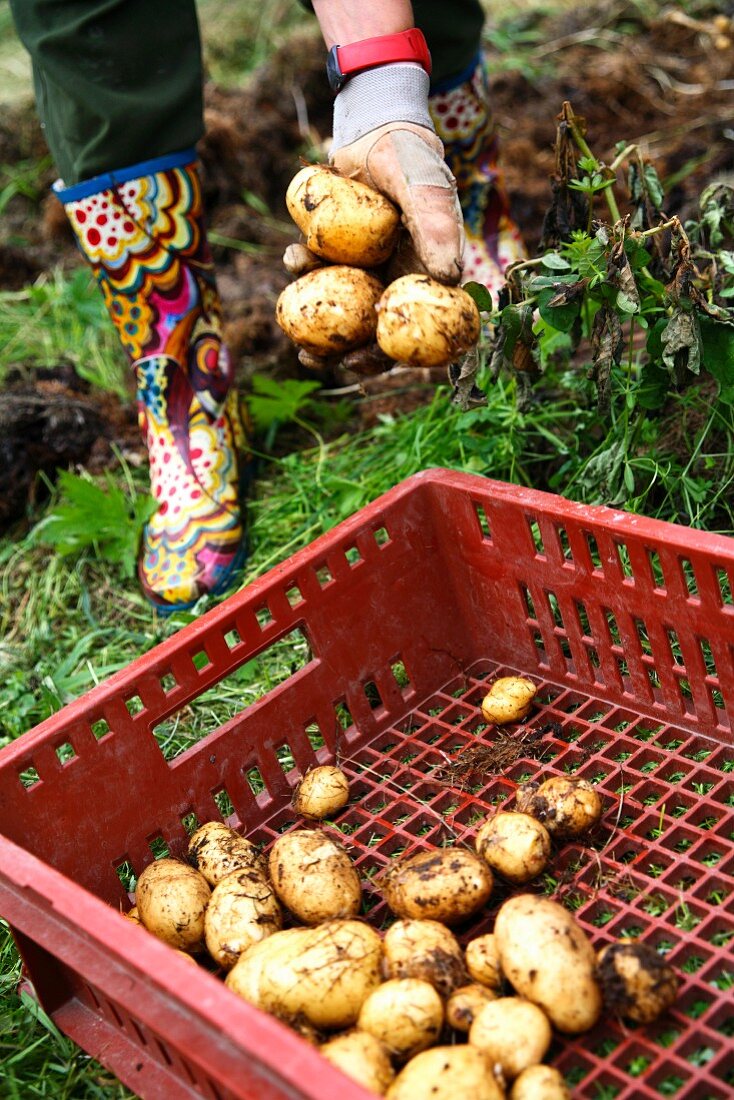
(481, 296)
(717, 211)
(555, 261)
(561, 315)
(607, 344)
(681, 344)
(718, 355)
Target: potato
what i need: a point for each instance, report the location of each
(443, 884)
(406, 1014)
(464, 1004)
(314, 877)
(515, 845)
(567, 807)
(217, 851)
(513, 1033)
(171, 898)
(547, 958)
(246, 975)
(363, 1058)
(242, 910)
(320, 974)
(636, 981)
(321, 792)
(343, 220)
(483, 962)
(133, 915)
(331, 310)
(509, 699)
(424, 949)
(446, 1073)
(540, 1083)
(424, 323)
(297, 260)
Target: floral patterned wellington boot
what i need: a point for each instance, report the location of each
(463, 120)
(142, 231)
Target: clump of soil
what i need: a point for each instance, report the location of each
(497, 756)
(51, 420)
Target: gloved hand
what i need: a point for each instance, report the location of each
(383, 135)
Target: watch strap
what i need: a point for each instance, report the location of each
(385, 49)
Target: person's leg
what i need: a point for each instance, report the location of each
(117, 81)
(136, 209)
(461, 112)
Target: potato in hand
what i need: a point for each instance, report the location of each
(342, 220)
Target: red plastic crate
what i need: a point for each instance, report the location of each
(408, 609)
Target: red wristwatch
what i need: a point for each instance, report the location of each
(345, 61)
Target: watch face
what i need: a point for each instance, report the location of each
(333, 72)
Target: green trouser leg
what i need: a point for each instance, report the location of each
(453, 32)
(117, 81)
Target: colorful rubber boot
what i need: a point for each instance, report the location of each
(142, 231)
(461, 114)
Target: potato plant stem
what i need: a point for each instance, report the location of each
(584, 148)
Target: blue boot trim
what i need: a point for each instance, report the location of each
(122, 175)
(451, 82)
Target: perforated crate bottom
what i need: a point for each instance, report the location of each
(659, 867)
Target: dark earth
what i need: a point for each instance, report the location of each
(664, 83)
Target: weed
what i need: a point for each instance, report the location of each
(109, 520)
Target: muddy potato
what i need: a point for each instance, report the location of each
(515, 845)
(567, 807)
(216, 851)
(464, 1004)
(636, 982)
(246, 975)
(331, 310)
(314, 877)
(424, 949)
(321, 793)
(547, 958)
(540, 1083)
(171, 898)
(363, 1058)
(242, 910)
(320, 974)
(513, 1033)
(443, 884)
(406, 1014)
(424, 323)
(343, 220)
(509, 699)
(483, 962)
(446, 1073)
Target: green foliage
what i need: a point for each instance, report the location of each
(22, 178)
(109, 520)
(638, 307)
(274, 404)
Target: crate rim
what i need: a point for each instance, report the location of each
(613, 520)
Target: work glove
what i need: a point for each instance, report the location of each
(383, 136)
